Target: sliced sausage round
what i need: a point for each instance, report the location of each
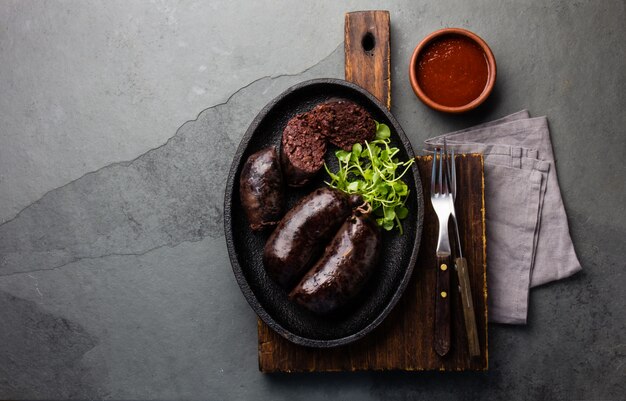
(350, 123)
(303, 148)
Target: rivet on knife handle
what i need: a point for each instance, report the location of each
(468, 307)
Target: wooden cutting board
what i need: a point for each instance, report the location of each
(404, 341)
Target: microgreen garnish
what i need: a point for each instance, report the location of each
(371, 171)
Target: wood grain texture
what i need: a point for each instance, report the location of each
(367, 52)
(404, 341)
(468, 306)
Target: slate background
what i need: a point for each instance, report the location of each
(118, 122)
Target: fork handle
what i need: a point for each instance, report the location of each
(442, 306)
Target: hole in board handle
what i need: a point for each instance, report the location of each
(368, 42)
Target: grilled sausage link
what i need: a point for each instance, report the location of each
(261, 189)
(302, 234)
(340, 274)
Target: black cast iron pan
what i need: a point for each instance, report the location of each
(245, 247)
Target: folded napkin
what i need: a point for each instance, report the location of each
(528, 240)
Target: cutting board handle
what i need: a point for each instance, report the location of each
(367, 52)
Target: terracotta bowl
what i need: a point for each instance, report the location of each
(423, 46)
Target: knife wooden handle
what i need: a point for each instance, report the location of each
(442, 306)
(468, 307)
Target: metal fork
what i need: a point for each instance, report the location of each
(443, 203)
(441, 199)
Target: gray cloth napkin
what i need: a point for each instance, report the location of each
(528, 241)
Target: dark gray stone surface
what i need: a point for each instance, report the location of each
(117, 283)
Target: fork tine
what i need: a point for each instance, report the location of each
(440, 175)
(446, 166)
(433, 175)
(453, 175)
(450, 169)
(444, 172)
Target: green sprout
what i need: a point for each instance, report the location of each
(371, 171)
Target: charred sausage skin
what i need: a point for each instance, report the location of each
(302, 234)
(347, 263)
(261, 189)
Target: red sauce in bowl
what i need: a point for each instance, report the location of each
(452, 70)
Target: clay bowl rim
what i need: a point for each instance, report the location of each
(491, 78)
